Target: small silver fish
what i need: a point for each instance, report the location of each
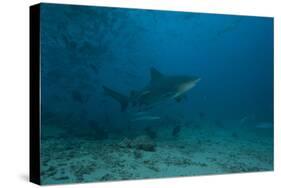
(264, 125)
(142, 113)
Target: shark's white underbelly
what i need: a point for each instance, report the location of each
(183, 89)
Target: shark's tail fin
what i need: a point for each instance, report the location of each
(123, 100)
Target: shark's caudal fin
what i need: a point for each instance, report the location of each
(123, 100)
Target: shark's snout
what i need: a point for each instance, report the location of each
(189, 84)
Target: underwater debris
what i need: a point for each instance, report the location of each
(176, 131)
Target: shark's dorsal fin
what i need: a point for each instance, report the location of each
(155, 74)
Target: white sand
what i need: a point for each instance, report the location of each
(199, 152)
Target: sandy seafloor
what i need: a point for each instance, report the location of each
(199, 151)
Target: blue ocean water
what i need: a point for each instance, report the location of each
(223, 124)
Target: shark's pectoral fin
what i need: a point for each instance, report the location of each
(123, 100)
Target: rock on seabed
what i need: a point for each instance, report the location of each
(142, 142)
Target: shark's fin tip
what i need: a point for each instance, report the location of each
(155, 74)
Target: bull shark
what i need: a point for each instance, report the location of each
(160, 88)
